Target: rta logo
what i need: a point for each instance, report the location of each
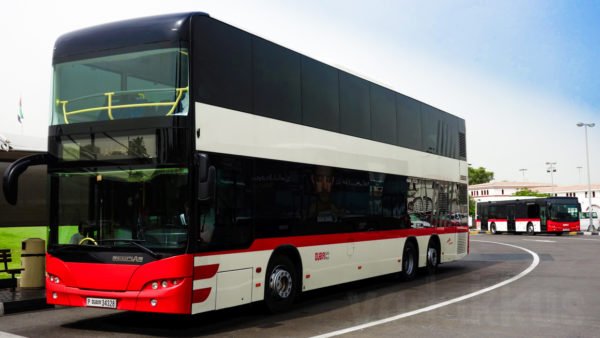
(321, 256)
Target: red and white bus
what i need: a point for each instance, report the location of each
(194, 166)
(552, 215)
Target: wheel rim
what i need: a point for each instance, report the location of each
(432, 256)
(530, 229)
(281, 282)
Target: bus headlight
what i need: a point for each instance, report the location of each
(54, 279)
(163, 284)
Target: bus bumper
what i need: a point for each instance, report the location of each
(173, 297)
(558, 227)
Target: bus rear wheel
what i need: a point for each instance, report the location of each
(281, 285)
(409, 262)
(530, 229)
(433, 257)
(493, 229)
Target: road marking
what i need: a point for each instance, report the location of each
(534, 264)
(540, 240)
(584, 239)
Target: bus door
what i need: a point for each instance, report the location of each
(483, 217)
(543, 217)
(510, 218)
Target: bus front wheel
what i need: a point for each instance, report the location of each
(281, 285)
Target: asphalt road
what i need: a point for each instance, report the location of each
(559, 297)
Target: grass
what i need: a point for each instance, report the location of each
(11, 238)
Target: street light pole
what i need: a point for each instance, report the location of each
(587, 157)
(523, 170)
(551, 169)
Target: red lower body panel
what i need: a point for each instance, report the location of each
(553, 226)
(163, 286)
(176, 299)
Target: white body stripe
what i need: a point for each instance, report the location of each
(237, 281)
(232, 132)
(521, 226)
(500, 225)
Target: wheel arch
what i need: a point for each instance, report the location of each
(435, 239)
(293, 254)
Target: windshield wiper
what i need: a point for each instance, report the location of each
(135, 242)
(63, 247)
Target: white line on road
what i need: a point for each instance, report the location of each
(534, 264)
(540, 240)
(583, 239)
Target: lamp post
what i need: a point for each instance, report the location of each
(551, 169)
(587, 157)
(523, 170)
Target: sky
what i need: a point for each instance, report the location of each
(521, 73)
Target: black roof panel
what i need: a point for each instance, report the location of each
(129, 35)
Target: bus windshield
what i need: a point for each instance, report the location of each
(131, 85)
(115, 208)
(564, 212)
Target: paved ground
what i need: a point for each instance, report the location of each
(19, 300)
(558, 298)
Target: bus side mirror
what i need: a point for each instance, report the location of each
(14, 170)
(207, 178)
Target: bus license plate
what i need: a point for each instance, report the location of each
(102, 302)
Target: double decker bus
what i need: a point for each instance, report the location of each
(550, 214)
(194, 166)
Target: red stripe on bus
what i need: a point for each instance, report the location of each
(351, 237)
(205, 271)
(516, 220)
(198, 296)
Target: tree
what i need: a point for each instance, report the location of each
(527, 192)
(472, 206)
(479, 175)
(137, 147)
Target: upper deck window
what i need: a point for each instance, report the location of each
(132, 85)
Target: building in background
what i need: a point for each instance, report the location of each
(580, 191)
(501, 191)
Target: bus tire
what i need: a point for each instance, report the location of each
(530, 229)
(560, 233)
(493, 229)
(410, 262)
(281, 285)
(433, 256)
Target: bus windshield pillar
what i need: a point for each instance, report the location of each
(207, 178)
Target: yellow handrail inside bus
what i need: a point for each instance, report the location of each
(110, 107)
(179, 96)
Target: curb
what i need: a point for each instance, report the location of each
(23, 305)
(588, 233)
